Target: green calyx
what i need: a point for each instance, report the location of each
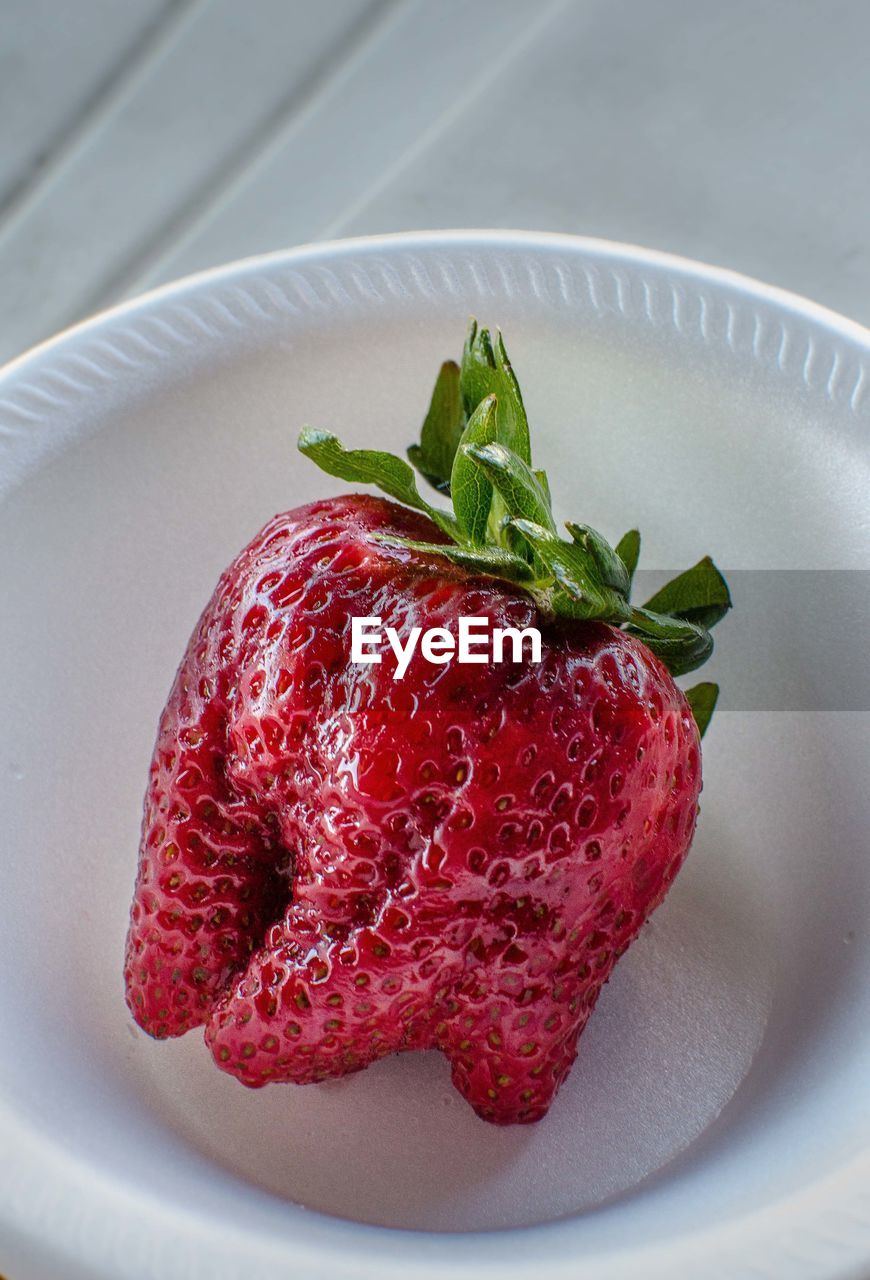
(474, 448)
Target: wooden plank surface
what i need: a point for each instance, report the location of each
(53, 73)
(143, 140)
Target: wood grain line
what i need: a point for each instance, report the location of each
(493, 69)
(289, 115)
(137, 63)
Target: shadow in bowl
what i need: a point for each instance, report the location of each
(674, 1034)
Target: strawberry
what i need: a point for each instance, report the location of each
(337, 864)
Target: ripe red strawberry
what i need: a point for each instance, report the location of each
(336, 864)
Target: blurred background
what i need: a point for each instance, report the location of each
(144, 139)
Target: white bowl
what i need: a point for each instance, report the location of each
(717, 1120)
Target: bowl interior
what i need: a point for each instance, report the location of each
(735, 1027)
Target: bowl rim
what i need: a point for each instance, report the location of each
(615, 250)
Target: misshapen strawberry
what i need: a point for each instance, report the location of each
(337, 865)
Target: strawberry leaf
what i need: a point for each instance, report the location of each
(469, 487)
(580, 590)
(487, 371)
(702, 699)
(699, 595)
(514, 481)
(519, 493)
(541, 477)
(628, 550)
(371, 466)
(488, 560)
(613, 571)
(441, 431)
(681, 645)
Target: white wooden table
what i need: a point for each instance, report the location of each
(143, 139)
